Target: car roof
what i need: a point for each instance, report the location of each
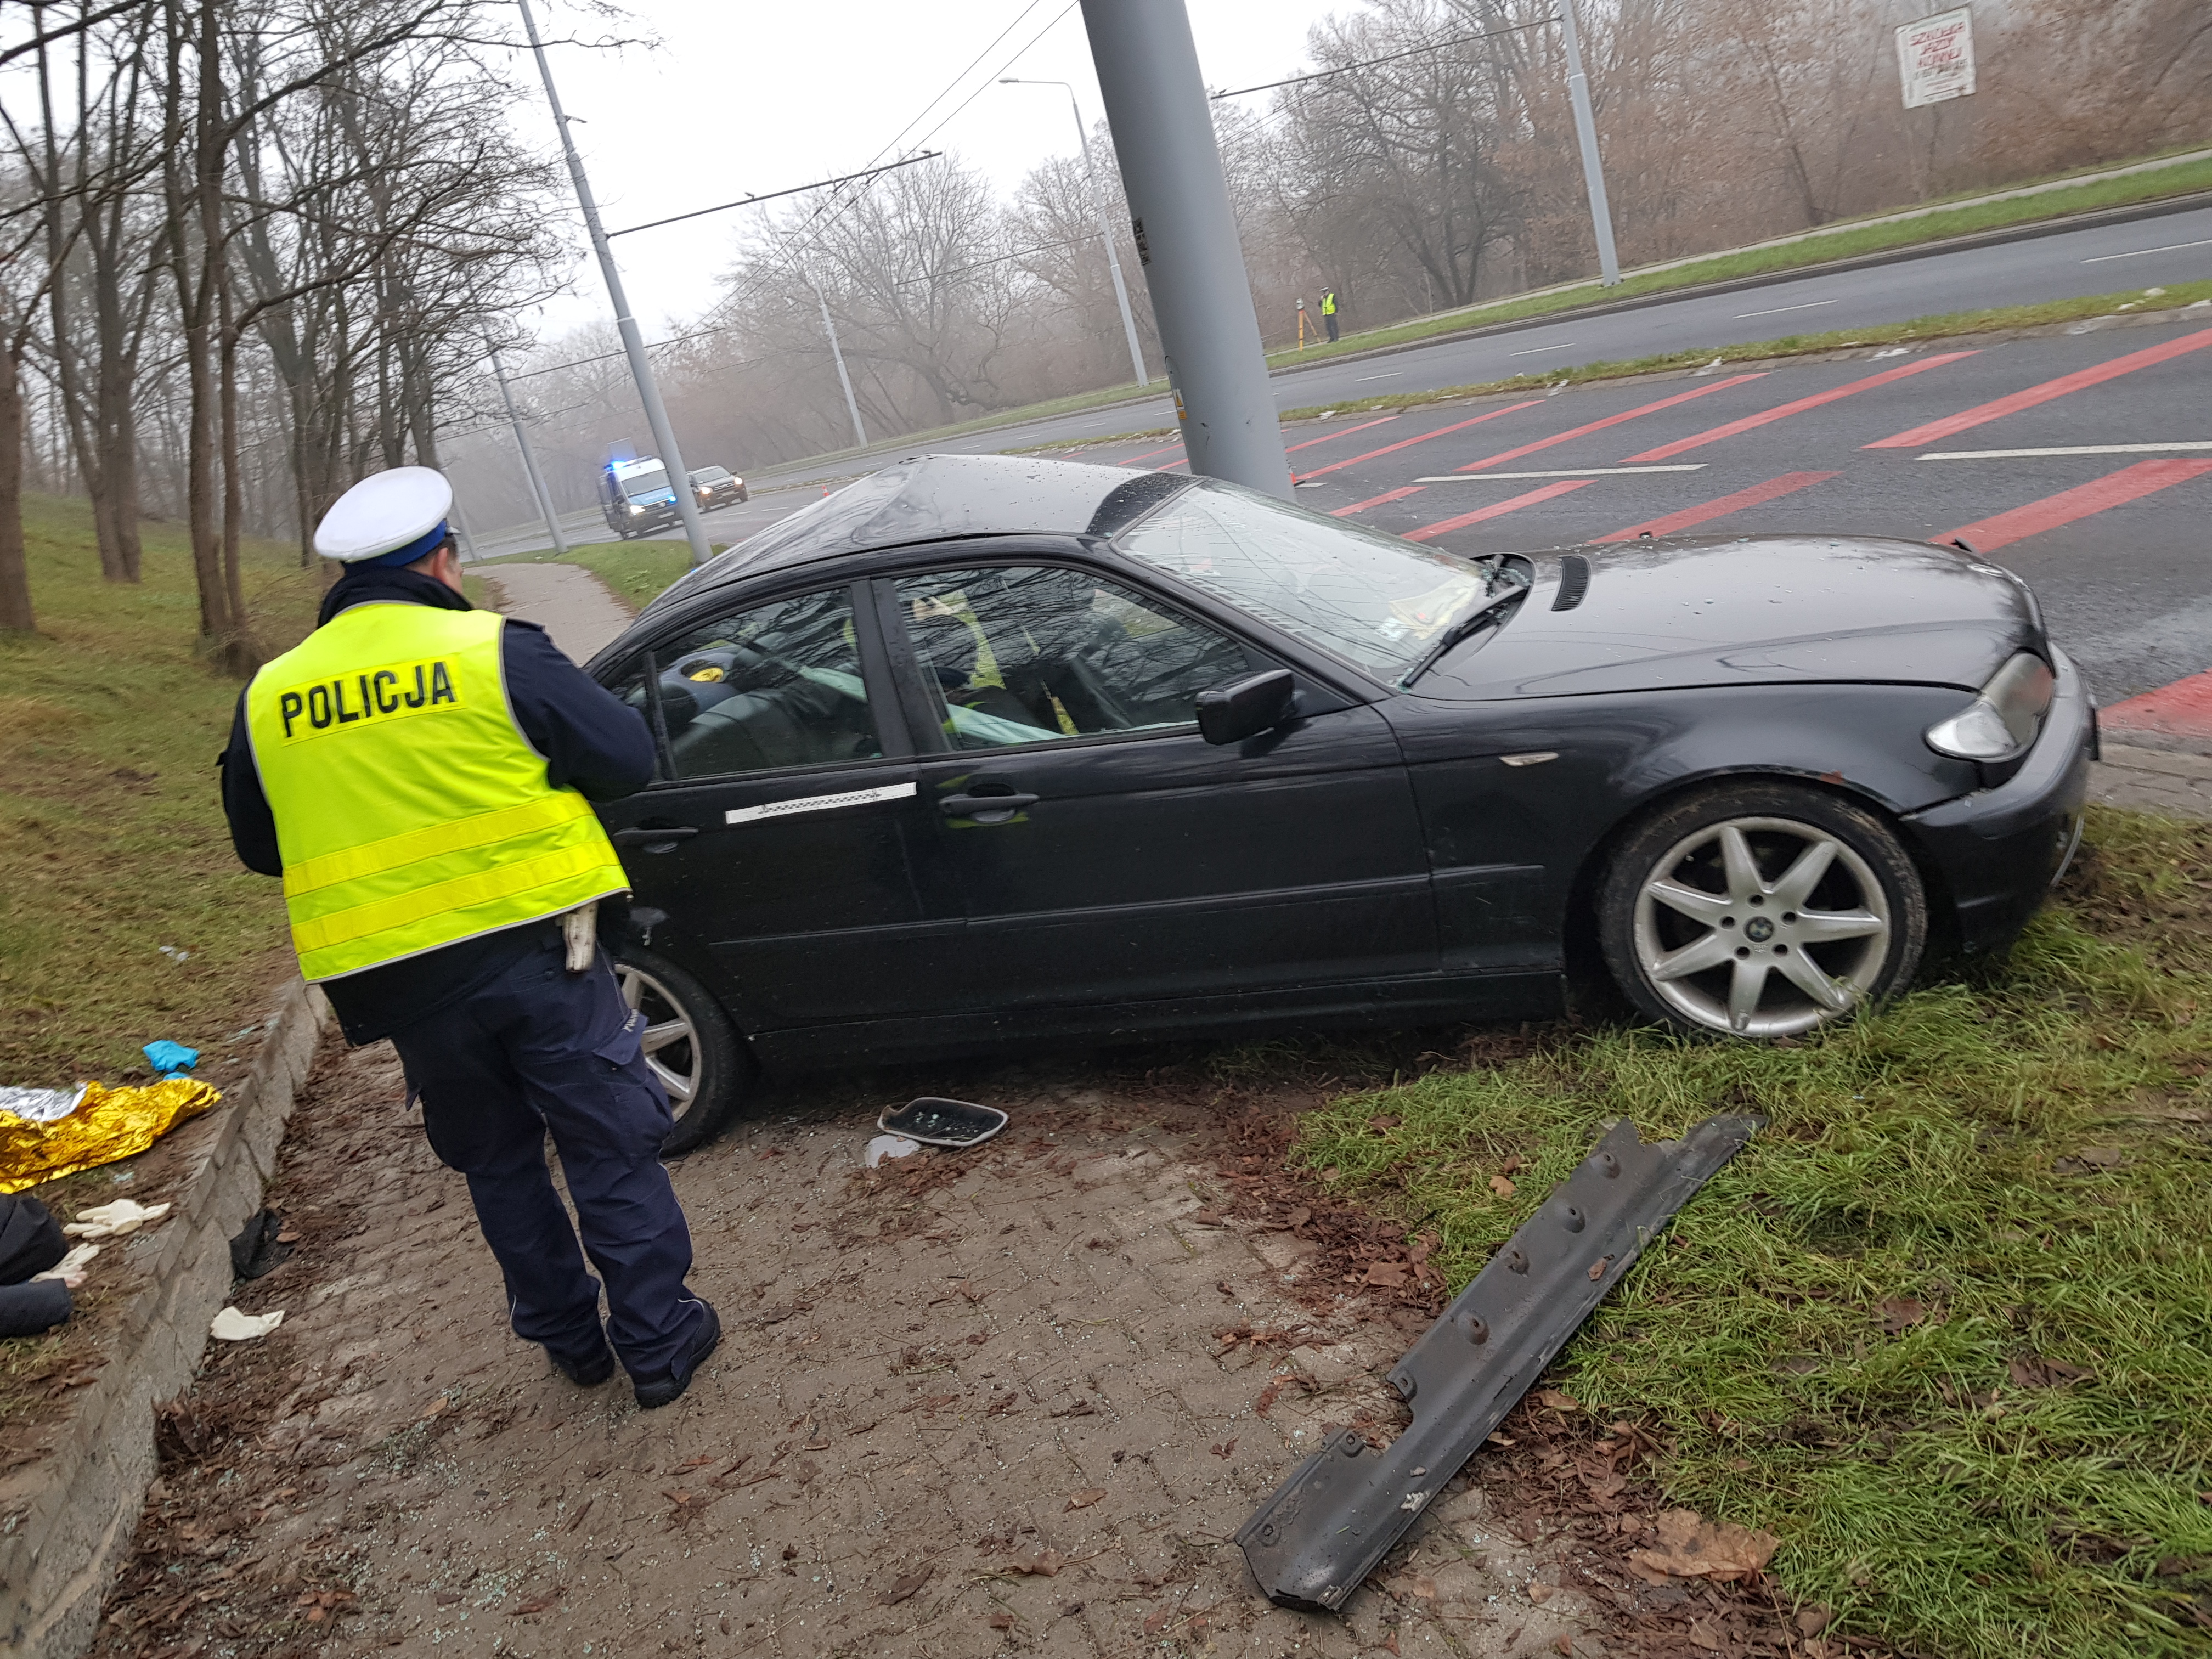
(935, 498)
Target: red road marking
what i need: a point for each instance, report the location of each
(1783, 411)
(1148, 455)
(1511, 504)
(1610, 420)
(2182, 709)
(1343, 433)
(1720, 509)
(1408, 443)
(2043, 394)
(1398, 494)
(2113, 490)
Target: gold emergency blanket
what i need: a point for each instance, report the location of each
(108, 1124)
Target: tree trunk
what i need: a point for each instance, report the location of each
(16, 617)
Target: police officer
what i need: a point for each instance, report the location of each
(419, 773)
(1328, 312)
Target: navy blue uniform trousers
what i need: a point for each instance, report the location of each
(537, 1050)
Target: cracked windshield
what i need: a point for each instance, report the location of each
(1374, 599)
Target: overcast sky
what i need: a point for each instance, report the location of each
(752, 98)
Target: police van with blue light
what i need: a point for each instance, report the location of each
(635, 497)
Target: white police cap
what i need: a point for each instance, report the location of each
(384, 513)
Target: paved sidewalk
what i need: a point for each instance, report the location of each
(972, 1404)
(2152, 781)
(567, 601)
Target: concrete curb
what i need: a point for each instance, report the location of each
(69, 1517)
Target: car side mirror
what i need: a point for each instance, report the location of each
(1244, 709)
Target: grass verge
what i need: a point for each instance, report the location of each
(111, 831)
(1832, 242)
(1946, 325)
(1945, 1327)
(1836, 243)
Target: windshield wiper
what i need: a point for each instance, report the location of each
(1458, 633)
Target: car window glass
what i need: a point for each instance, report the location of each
(1374, 599)
(777, 685)
(1029, 654)
(632, 689)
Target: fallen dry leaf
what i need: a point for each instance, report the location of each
(1900, 1313)
(1558, 1401)
(691, 1464)
(1085, 1499)
(1598, 1267)
(1224, 1449)
(1298, 1218)
(1703, 1634)
(903, 1587)
(1502, 1187)
(538, 1603)
(1380, 1125)
(1157, 1621)
(1045, 1564)
(1387, 1275)
(1811, 1621)
(1691, 1547)
(1541, 1593)
(1001, 1621)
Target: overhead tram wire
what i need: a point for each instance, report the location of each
(1390, 57)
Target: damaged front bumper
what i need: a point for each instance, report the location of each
(1311, 1544)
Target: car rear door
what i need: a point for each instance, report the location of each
(780, 838)
(1134, 862)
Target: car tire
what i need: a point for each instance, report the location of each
(690, 1045)
(1760, 909)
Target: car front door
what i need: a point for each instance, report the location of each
(780, 840)
(1132, 861)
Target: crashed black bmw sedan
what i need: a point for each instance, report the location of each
(984, 750)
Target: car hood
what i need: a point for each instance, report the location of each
(1748, 611)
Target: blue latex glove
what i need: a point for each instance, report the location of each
(169, 1059)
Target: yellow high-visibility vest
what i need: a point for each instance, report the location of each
(410, 810)
(1328, 303)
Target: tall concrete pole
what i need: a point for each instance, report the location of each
(1105, 225)
(1609, 264)
(529, 461)
(1186, 234)
(648, 393)
(838, 356)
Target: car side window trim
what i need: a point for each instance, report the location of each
(869, 636)
(916, 704)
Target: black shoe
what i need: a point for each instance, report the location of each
(587, 1370)
(668, 1388)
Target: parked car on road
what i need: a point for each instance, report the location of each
(717, 486)
(983, 749)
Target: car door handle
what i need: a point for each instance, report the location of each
(654, 841)
(974, 806)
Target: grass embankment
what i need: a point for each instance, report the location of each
(111, 833)
(634, 572)
(1945, 1325)
(1832, 242)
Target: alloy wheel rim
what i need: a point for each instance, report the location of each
(670, 1040)
(1761, 927)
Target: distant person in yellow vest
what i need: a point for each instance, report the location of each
(1328, 310)
(420, 773)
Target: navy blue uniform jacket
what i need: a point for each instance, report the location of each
(591, 740)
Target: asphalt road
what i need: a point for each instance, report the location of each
(2116, 543)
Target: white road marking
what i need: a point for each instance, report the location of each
(1533, 351)
(2075, 449)
(1568, 472)
(1809, 305)
(1392, 375)
(776, 809)
(2137, 254)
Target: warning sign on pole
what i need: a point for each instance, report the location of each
(1936, 57)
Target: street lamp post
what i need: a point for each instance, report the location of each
(537, 489)
(1608, 263)
(648, 393)
(1105, 225)
(1186, 236)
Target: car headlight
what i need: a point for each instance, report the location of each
(2004, 719)
(635, 507)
